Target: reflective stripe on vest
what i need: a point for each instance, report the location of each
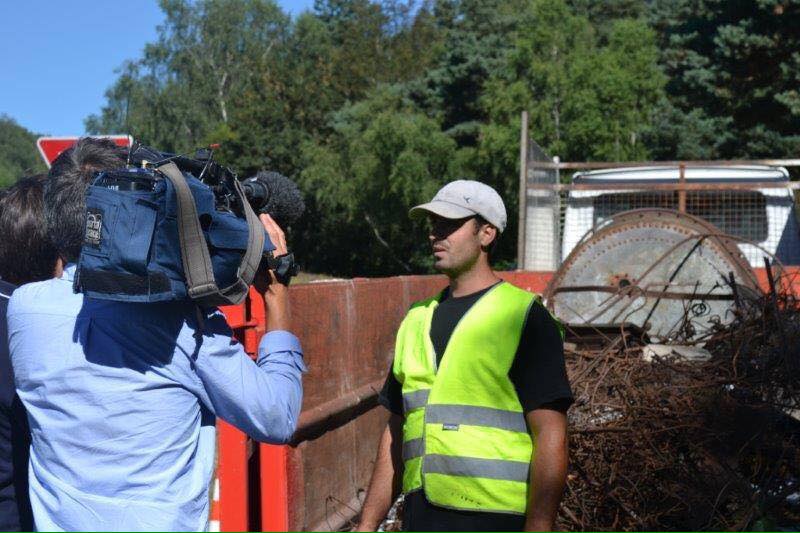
(473, 467)
(415, 400)
(472, 415)
(466, 441)
(413, 448)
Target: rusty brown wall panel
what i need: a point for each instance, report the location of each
(336, 471)
(321, 318)
(368, 430)
(530, 281)
(348, 328)
(379, 308)
(328, 464)
(421, 287)
(296, 487)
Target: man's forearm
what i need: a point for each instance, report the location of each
(280, 392)
(384, 484)
(262, 398)
(548, 477)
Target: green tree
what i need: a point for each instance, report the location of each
(734, 69)
(241, 73)
(180, 95)
(383, 157)
(375, 42)
(332, 57)
(602, 13)
(287, 104)
(587, 98)
(18, 155)
(472, 43)
(586, 101)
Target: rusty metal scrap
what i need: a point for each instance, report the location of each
(669, 442)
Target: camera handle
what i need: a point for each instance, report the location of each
(283, 266)
(201, 284)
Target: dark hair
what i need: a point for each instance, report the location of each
(26, 253)
(64, 192)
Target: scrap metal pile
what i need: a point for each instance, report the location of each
(662, 441)
(685, 379)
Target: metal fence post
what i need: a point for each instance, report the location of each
(233, 478)
(523, 190)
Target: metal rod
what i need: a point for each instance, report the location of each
(648, 293)
(557, 245)
(732, 282)
(323, 416)
(589, 165)
(773, 297)
(682, 191)
(672, 278)
(343, 512)
(523, 190)
(674, 186)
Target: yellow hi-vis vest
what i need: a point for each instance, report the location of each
(465, 439)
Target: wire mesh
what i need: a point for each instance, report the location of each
(739, 213)
(764, 220)
(543, 214)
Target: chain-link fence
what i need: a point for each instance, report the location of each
(763, 219)
(542, 243)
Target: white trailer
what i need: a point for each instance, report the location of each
(762, 218)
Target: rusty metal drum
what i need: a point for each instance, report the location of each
(674, 275)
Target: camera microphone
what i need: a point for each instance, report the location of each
(276, 195)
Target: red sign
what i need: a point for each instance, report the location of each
(51, 147)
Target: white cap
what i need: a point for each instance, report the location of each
(466, 198)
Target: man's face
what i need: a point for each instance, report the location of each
(456, 243)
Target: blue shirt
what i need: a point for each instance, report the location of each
(122, 400)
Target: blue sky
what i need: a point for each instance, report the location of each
(57, 58)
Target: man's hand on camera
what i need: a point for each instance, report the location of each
(276, 295)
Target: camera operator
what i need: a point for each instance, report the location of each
(122, 397)
(26, 255)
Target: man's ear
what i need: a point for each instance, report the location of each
(58, 268)
(488, 234)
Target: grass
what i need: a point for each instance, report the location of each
(308, 277)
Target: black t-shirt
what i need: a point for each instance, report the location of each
(539, 376)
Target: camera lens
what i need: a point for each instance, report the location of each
(257, 193)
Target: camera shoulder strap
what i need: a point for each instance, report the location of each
(255, 249)
(201, 284)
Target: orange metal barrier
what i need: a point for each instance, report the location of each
(230, 506)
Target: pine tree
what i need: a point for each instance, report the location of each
(734, 69)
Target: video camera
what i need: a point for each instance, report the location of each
(167, 227)
(267, 192)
